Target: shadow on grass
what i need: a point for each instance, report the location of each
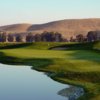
(33, 62)
(87, 55)
(76, 46)
(14, 45)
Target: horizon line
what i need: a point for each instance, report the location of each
(49, 21)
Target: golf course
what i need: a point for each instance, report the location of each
(76, 64)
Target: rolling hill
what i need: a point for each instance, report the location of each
(15, 28)
(68, 28)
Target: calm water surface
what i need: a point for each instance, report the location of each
(23, 83)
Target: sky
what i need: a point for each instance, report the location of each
(42, 11)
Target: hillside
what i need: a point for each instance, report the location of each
(15, 27)
(68, 28)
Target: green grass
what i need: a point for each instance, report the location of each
(36, 45)
(97, 46)
(30, 53)
(79, 65)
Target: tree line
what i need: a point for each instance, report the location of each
(44, 37)
(90, 37)
(49, 37)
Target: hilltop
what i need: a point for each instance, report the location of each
(68, 27)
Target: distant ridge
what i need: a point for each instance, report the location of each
(68, 27)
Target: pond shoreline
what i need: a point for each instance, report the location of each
(73, 92)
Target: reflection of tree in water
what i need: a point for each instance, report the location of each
(72, 93)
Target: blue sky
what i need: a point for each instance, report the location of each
(41, 11)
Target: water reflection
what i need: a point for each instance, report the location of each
(22, 83)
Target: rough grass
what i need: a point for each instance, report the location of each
(97, 46)
(80, 67)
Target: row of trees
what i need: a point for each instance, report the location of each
(49, 37)
(79, 38)
(45, 37)
(91, 36)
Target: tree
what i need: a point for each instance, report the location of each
(3, 37)
(19, 38)
(10, 38)
(37, 38)
(97, 35)
(43, 36)
(47, 36)
(72, 39)
(29, 38)
(51, 37)
(80, 38)
(0, 37)
(58, 37)
(91, 36)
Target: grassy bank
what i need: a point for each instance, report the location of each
(78, 65)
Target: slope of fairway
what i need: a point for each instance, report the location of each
(29, 53)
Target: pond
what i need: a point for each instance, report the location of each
(23, 83)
